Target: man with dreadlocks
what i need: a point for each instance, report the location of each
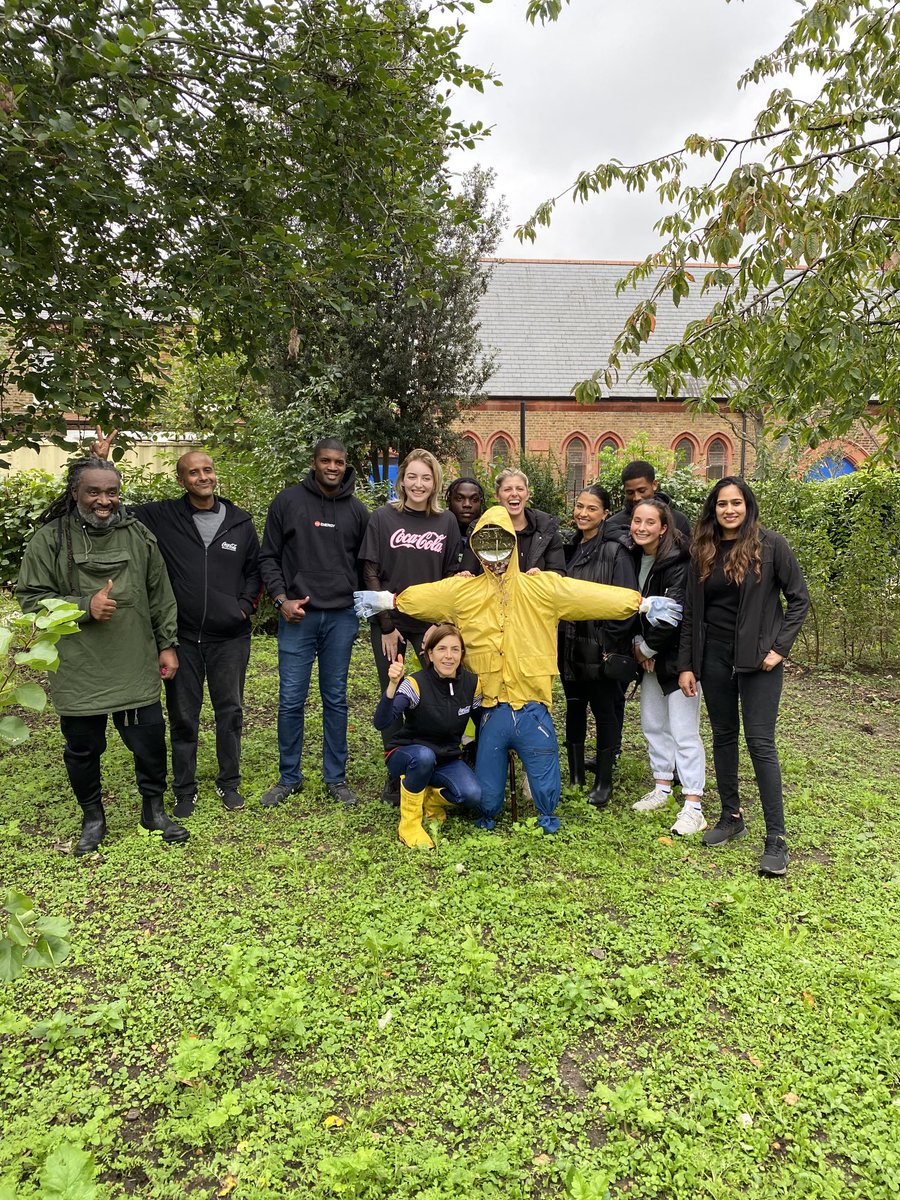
(86, 551)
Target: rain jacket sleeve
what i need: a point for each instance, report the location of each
(163, 609)
(578, 600)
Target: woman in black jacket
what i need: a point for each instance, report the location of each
(537, 533)
(670, 721)
(735, 637)
(582, 645)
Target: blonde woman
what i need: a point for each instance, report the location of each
(538, 542)
(408, 541)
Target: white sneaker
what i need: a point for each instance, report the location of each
(689, 820)
(653, 800)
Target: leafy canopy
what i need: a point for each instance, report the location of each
(801, 218)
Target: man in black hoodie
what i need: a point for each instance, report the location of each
(639, 483)
(310, 545)
(211, 553)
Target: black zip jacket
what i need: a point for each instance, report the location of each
(311, 541)
(583, 643)
(622, 520)
(542, 549)
(668, 577)
(216, 589)
(762, 623)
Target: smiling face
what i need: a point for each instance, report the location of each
(329, 467)
(418, 484)
(513, 495)
(641, 488)
(197, 476)
(647, 528)
(589, 514)
(446, 655)
(97, 497)
(731, 511)
(465, 504)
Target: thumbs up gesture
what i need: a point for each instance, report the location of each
(396, 669)
(102, 604)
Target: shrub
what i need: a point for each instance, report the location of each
(23, 497)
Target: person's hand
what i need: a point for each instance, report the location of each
(771, 661)
(533, 571)
(649, 664)
(397, 669)
(102, 604)
(293, 610)
(661, 610)
(464, 575)
(168, 663)
(687, 681)
(390, 646)
(367, 604)
(100, 448)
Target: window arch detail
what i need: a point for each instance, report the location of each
(576, 457)
(718, 456)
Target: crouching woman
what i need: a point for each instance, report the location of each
(425, 753)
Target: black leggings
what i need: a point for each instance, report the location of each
(602, 696)
(757, 693)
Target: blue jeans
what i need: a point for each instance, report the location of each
(530, 732)
(326, 635)
(457, 781)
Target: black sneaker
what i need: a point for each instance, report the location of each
(726, 829)
(185, 805)
(233, 800)
(775, 857)
(340, 791)
(390, 793)
(278, 794)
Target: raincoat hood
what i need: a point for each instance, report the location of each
(498, 516)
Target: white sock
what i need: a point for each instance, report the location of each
(665, 788)
(694, 804)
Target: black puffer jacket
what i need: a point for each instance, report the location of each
(667, 577)
(582, 643)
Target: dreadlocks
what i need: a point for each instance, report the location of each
(59, 509)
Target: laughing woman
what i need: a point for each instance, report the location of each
(734, 639)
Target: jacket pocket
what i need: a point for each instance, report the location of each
(536, 665)
(95, 570)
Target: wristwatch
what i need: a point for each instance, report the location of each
(276, 604)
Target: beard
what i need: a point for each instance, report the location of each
(96, 522)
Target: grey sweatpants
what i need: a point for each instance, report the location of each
(671, 725)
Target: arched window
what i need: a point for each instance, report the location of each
(716, 458)
(609, 444)
(500, 450)
(576, 453)
(468, 456)
(684, 452)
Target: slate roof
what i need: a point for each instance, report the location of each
(553, 323)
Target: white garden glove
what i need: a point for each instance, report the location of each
(661, 610)
(367, 604)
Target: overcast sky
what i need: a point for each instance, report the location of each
(626, 79)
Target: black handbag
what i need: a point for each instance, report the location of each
(621, 667)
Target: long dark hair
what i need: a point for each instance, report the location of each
(747, 552)
(59, 509)
(671, 538)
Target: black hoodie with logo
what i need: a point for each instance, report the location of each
(311, 542)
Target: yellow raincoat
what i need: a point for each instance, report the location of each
(509, 621)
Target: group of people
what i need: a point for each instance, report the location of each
(492, 601)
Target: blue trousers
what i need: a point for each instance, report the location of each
(457, 781)
(326, 635)
(530, 732)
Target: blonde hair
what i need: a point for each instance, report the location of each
(509, 473)
(426, 457)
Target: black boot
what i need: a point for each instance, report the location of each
(601, 793)
(575, 753)
(390, 793)
(93, 829)
(154, 818)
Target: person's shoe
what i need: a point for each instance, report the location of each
(575, 756)
(728, 828)
(601, 793)
(93, 829)
(232, 799)
(390, 793)
(278, 794)
(412, 809)
(435, 806)
(775, 857)
(689, 820)
(184, 806)
(155, 819)
(340, 791)
(652, 801)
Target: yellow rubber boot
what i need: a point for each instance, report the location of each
(435, 805)
(412, 805)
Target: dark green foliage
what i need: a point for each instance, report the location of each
(23, 497)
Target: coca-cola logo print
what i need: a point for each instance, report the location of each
(430, 540)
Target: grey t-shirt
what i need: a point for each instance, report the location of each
(209, 522)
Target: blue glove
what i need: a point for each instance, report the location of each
(661, 610)
(367, 604)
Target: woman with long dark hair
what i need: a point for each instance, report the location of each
(735, 637)
(670, 720)
(585, 645)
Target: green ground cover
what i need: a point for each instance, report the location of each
(296, 1005)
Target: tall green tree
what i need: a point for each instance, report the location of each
(221, 166)
(801, 216)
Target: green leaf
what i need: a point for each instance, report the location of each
(13, 731)
(17, 904)
(40, 657)
(6, 638)
(52, 927)
(68, 1174)
(11, 960)
(16, 932)
(30, 695)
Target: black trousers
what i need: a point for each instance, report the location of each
(382, 664)
(141, 729)
(757, 695)
(602, 696)
(223, 666)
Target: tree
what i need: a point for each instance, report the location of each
(802, 220)
(220, 166)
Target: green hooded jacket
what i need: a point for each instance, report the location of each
(110, 665)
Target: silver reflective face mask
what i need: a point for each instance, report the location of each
(494, 547)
